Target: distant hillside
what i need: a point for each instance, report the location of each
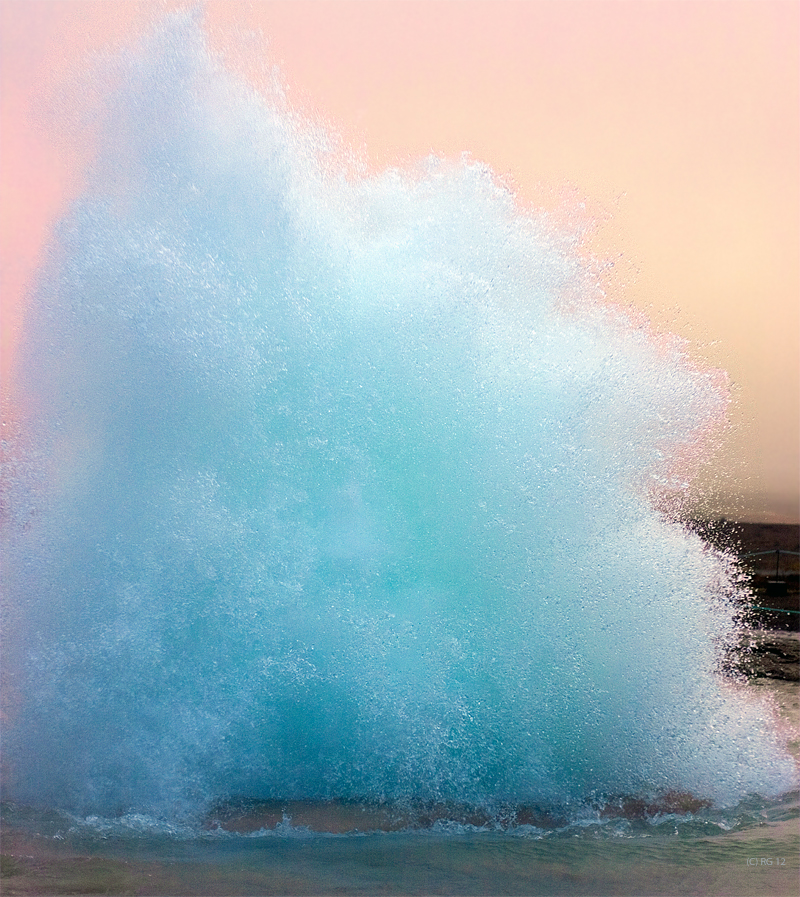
(769, 536)
(757, 546)
(748, 538)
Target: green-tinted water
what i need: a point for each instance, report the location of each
(671, 857)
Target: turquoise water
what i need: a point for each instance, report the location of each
(337, 486)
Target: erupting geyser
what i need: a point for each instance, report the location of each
(343, 487)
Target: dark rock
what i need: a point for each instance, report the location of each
(768, 654)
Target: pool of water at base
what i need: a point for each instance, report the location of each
(751, 850)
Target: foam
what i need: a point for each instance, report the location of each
(348, 487)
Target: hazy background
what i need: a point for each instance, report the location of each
(676, 124)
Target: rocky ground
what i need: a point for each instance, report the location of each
(768, 654)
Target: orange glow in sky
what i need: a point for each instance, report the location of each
(677, 122)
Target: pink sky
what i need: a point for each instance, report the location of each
(677, 122)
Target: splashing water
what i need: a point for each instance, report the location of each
(344, 488)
